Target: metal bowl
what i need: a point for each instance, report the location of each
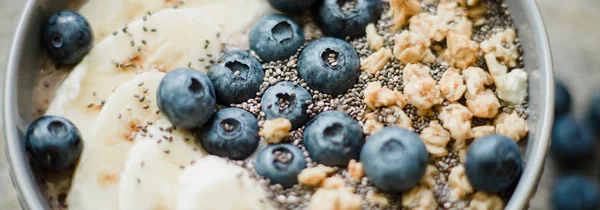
(25, 53)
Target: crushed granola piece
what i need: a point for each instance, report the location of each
(420, 88)
(452, 84)
(419, 198)
(375, 41)
(398, 118)
(311, 176)
(459, 183)
(276, 130)
(462, 153)
(428, 180)
(413, 47)
(449, 10)
(512, 86)
(401, 11)
(462, 52)
(377, 199)
(462, 26)
(371, 124)
(429, 25)
(376, 61)
(435, 138)
(484, 201)
(511, 125)
(476, 79)
(332, 183)
(457, 119)
(503, 46)
(484, 130)
(328, 199)
(465, 3)
(328, 170)
(377, 96)
(484, 104)
(355, 170)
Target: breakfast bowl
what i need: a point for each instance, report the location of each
(27, 56)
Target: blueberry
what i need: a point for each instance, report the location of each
(334, 22)
(231, 133)
(68, 37)
(493, 163)
(575, 192)
(333, 139)
(281, 164)
(54, 142)
(593, 115)
(276, 37)
(237, 78)
(394, 159)
(572, 144)
(329, 65)
(286, 100)
(186, 97)
(562, 98)
(291, 6)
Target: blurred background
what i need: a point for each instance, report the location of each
(574, 31)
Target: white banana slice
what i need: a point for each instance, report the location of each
(212, 183)
(151, 176)
(179, 41)
(96, 178)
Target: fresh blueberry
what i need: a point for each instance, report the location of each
(54, 142)
(572, 143)
(562, 98)
(186, 97)
(493, 163)
(334, 22)
(280, 163)
(231, 133)
(593, 116)
(329, 65)
(394, 159)
(333, 139)
(237, 78)
(575, 192)
(291, 6)
(276, 37)
(286, 100)
(68, 37)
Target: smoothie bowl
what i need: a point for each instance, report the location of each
(278, 104)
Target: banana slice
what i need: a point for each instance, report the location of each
(107, 16)
(151, 176)
(183, 37)
(97, 176)
(212, 183)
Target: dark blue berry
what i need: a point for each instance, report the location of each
(493, 163)
(54, 142)
(276, 37)
(68, 37)
(572, 144)
(575, 192)
(232, 87)
(329, 65)
(186, 97)
(562, 98)
(281, 164)
(333, 139)
(593, 115)
(231, 133)
(291, 6)
(334, 22)
(286, 100)
(394, 159)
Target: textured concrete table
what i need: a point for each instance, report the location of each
(572, 26)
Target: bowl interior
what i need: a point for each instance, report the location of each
(24, 62)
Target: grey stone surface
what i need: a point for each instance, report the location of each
(573, 28)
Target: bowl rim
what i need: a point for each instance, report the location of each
(31, 198)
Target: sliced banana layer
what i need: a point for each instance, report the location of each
(172, 38)
(96, 179)
(212, 183)
(151, 176)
